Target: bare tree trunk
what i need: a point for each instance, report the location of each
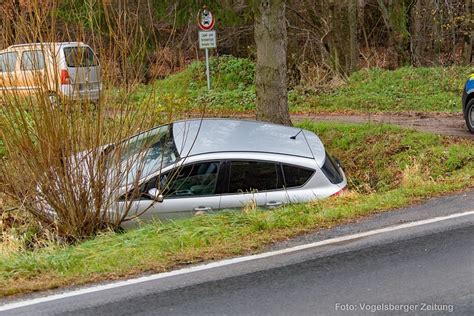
(16, 11)
(469, 34)
(361, 21)
(353, 34)
(395, 39)
(417, 42)
(270, 78)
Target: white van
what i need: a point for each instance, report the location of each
(69, 70)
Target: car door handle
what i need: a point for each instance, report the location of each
(274, 204)
(202, 209)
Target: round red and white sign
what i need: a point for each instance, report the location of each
(205, 20)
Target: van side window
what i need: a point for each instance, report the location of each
(8, 61)
(32, 60)
(250, 176)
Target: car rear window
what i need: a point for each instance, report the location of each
(80, 57)
(296, 176)
(331, 170)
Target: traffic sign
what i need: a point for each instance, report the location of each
(207, 39)
(205, 20)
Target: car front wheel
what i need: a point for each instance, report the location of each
(470, 115)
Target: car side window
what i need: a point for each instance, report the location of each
(192, 180)
(8, 61)
(252, 176)
(32, 60)
(296, 176)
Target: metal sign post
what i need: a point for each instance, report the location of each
(208, 73)
(207, 38)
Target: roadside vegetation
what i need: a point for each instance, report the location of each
(387, 167)
(54, 221)
(422, 89)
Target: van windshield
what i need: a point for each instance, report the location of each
(81, 56)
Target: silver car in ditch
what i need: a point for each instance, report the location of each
(204, 165)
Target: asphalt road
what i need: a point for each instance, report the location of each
(424, 269)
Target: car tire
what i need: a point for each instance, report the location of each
(469, 116)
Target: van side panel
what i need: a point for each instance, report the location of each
(8, 71)
(31, 72)
(37, 69)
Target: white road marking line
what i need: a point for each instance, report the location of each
(227, 262)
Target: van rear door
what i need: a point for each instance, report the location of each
(83, 69)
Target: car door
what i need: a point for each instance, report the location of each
(252, 182)
(186, 190)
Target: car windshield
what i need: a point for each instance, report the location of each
(144, 154)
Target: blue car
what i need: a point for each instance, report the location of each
(468, 103)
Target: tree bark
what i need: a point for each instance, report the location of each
(396, 40)
(417, 42)
(469, 33)
(353, 35)
(270, 77)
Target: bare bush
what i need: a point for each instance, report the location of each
(64, 160)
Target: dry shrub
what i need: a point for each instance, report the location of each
(414, 176)
(59, 166)
(166, 61)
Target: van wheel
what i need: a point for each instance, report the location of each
(470, 115)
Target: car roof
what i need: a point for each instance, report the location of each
(203, 136)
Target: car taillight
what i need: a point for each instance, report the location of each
(340, 192)
(65, 77)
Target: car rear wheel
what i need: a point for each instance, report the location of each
(470, 115)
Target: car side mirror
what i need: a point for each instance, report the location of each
(156, 195)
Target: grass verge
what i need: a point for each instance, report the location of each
(388, 167)
(434, 89)
(423, 89)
